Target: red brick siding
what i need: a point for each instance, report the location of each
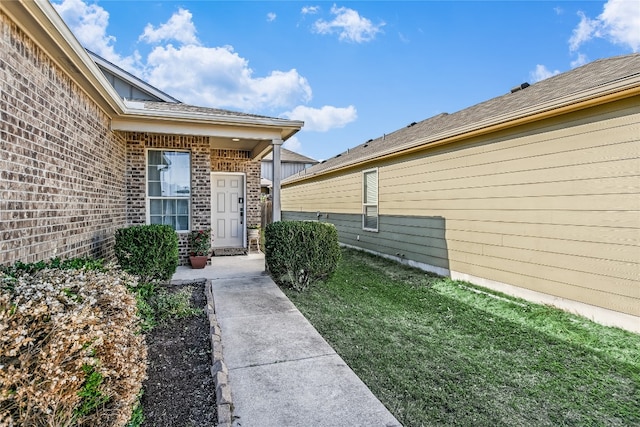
(61, 169)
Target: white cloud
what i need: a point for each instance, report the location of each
(179, 27)
(349, 26)
(541, 72)
(580, 60)
(323, 119)
(219, 77)
(619, 23)
(621, 19)
(310, 10)
(585, 31)
(271, 17)
(208, 76)
(292, 144)
(89, 24)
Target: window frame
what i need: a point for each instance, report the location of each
(149, 198)
(366, 203)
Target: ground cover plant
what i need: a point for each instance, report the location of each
(70, 351)
(440, 352)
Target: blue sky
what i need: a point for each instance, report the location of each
(351, 70)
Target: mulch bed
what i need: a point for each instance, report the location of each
(180, 390)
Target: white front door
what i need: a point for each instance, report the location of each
(227, 192)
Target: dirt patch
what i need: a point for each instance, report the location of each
(180, 390)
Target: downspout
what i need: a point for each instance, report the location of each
(277, 145)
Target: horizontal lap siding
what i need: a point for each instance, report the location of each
(413, 238)
(553, 209)
(341, 194)
(556, 212)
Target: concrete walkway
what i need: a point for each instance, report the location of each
(281, 371)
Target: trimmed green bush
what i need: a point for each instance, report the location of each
(148, 251)
(301, 253)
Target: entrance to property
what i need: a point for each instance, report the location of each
(227, 210)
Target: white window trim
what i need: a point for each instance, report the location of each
(146, 185)
(377, 204)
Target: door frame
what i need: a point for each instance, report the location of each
(244, 204)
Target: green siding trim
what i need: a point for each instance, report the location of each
(418, 239)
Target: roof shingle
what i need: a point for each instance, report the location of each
(510, 106)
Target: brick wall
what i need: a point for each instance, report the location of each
(240, 161)
(61, 169)
(203, 161)
(137, 143)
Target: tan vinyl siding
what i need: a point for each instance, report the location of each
(342, 194)
(557, 212)
(552, 207)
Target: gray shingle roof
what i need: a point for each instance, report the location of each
(288, 156)
(511, 106)
(180, 107)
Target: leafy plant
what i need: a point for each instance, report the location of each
(148, 251)
(91, 393)
(19, 268)
(200, 242)
(174, 305)
(300, 253)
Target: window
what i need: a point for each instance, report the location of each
(169, 188)
(370, 200)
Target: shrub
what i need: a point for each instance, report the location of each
(69, 351)
(300, 253)
(148, 251)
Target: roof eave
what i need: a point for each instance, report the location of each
(618, 90)
(287, 128)
(45, 27)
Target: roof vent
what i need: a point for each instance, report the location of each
(520, 87)
(412, 124)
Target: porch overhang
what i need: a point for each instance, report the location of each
(254, 134)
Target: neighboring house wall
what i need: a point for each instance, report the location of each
(551, 207)
(62, 171)
(286, 170)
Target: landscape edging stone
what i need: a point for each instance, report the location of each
(219, 369)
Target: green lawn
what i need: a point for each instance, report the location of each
(437, 352)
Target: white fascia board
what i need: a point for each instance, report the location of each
(136, 110)
(200, 129)
(137, 119)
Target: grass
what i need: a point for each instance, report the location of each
(438, 352)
